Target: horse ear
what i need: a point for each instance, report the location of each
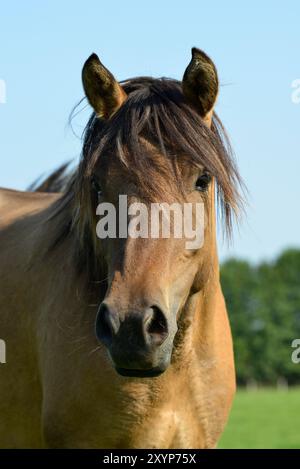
(102, 90)
(200, 84)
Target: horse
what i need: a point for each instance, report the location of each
(121, 342)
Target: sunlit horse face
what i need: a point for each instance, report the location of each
(159, 150)
(150, 279)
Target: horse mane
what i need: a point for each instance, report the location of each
(54, 182)
(157, 111)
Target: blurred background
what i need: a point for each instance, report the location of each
(256, 49)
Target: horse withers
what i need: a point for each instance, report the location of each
(121, 342)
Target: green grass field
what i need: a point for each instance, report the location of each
(266, 418)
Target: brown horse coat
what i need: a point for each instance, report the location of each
(59, 387)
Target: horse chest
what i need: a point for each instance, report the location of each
(171, 429)
(173, 424)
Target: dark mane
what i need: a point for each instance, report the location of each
(55, 182)
(157, 110)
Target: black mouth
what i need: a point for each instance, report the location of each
(140, 373)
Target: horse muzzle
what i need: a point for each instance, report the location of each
(139, 342)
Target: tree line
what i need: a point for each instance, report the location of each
(263, 303)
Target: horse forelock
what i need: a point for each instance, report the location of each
(155, 111)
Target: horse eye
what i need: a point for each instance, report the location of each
(202, 182)
(96, 186)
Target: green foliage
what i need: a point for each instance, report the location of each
(264, 309)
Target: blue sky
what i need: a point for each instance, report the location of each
(256, 49)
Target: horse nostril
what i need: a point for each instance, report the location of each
(107, 324)
(156, 326)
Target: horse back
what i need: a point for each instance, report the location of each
(14, 204)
